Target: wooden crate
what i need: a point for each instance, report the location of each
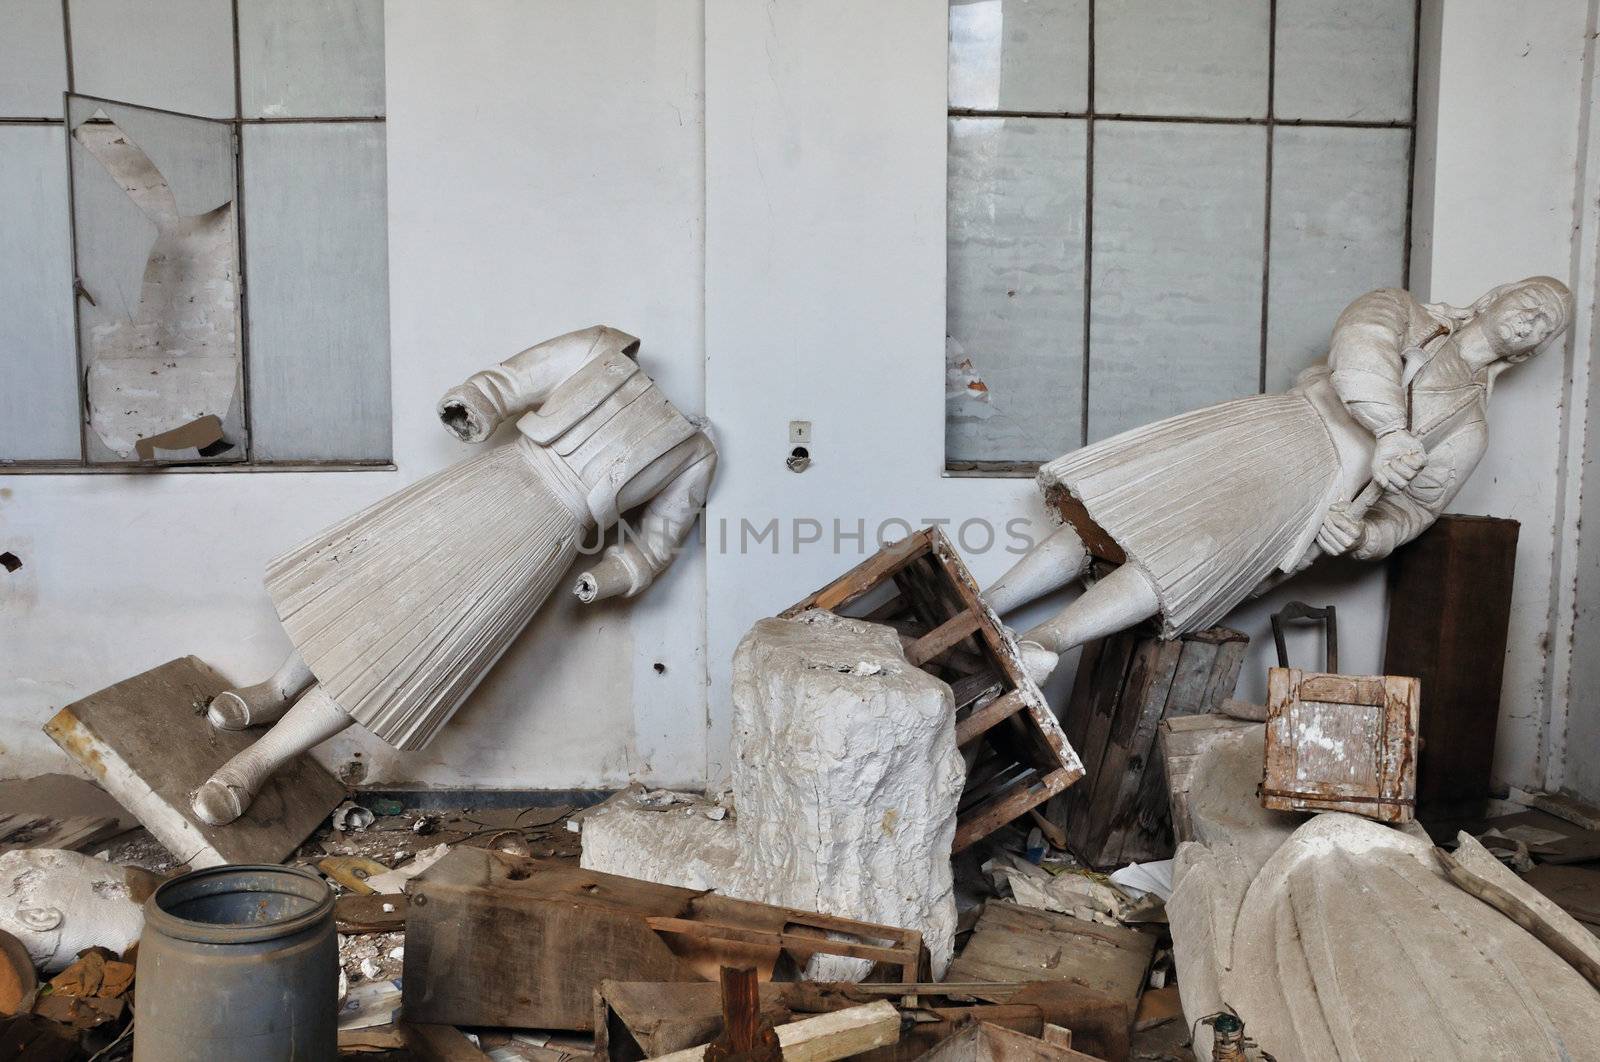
(921, 587)
(1125, 687)
(1341, 743)
(498, 940)
(1449, 607)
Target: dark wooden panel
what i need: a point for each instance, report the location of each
(1449, 607)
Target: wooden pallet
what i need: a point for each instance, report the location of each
(921, 587)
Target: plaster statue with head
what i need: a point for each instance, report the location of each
(1198, 511)
(398, 612)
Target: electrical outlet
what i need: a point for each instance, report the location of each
(799, 431)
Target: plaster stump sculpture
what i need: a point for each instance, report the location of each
(1199, 510)
(398, 612)
(846, 781)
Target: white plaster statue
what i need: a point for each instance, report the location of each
(399, 611)
(1359, 457)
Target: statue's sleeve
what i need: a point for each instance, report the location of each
(651, 539)
(474, 408)
(1365, 356)
(1396, 519)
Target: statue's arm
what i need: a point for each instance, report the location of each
(1365, 356)
(474, 408)
(650, 541)
(1397, 518)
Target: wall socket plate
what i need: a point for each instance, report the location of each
(800, 431)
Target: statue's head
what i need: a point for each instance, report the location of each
(1519, 319)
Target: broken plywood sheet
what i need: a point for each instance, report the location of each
(147, 742)
(1016, 943)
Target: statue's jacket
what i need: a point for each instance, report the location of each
(1212, 504)
(401, 609)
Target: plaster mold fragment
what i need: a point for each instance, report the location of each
(846, 782)
(59, 903)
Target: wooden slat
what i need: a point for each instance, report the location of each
(440, 1043)
(864, 576)
(942, 638)
(826, 1037)
(792, 942)
(983, 719)
(995, 813)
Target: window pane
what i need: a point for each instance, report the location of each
(39, 398)
(1015, 302)
(316, 221)
(33, 59)
(1182, 57)
(1345, 61)
(1338, 230)
(311, 58)
(1019, 55)
(157, 251)
(172, 54)
(1175, 317)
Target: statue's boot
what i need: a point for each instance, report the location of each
(314, 719)
(265, 702)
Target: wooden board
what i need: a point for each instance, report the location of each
(1126, 685)
(1016, 943)
(1341, 743)
(499, 940)
(984, 1042)
(637, 1020)
(1449, 608)
(147, 742)
(825, 1037)
(921, 587)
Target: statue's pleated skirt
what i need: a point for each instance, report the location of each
(1209, 503)
(401, 609)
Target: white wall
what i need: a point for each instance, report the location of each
(548, 167)
(537, 183)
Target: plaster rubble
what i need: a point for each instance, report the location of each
(846, 781)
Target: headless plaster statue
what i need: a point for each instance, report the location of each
(1199, 510)
(399, 611)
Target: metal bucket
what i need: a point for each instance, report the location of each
(238, 964)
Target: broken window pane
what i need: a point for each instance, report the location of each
(157, 251)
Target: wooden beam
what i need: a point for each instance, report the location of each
(440, 1043)
(998, 811)
(943, 637)
(989, 716)
(793, 942)
(826, 1037)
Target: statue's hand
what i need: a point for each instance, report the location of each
(1397, 460)
(1340, 531)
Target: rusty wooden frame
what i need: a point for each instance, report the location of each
(1023, 756)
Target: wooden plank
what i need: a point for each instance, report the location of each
(981, 720)
(863, 577)
(983, 1042)
(439, 1043)
(1016, 943)
(354, 913)
(826, 1037)
(504, 941)
(996, 812)
(147, 742)
(791, 942)
(942, 638)
(1449, 610)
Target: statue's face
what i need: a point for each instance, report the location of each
(1519, 321)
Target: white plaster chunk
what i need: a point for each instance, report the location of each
(846, 779)
(58, 903)
(682, 844)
